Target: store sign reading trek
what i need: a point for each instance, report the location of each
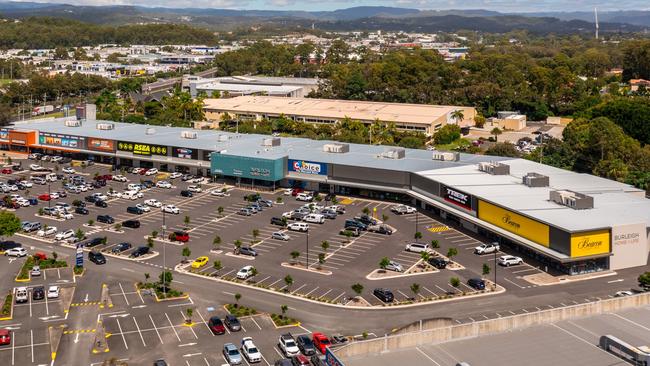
(307, 167)
(458, 198)
(141, 149)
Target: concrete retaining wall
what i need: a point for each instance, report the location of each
(439, 330)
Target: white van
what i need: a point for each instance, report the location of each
(417, 247)
(130, 195)
(306, 197)
(134, 187)
(21, 295)
(51, 177)
(314, 218)
(298, 226)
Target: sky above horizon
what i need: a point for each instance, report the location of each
(318, 5)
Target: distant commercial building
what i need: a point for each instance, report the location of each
(232, 86)
(423, 118)
(512, 121)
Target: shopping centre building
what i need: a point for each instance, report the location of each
(572, 223)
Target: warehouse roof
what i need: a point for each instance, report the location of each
(335, 109)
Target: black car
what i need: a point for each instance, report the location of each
(476, 283)
(148, 183)
(134, 210)
(78, 203)
(232, 323)
(101, 204)
(94, 242)
(140, 252)
(283, 362)
(96, 257)
(318, 360)
(438, 262)
(381, 229)
(355, 223)
(91, 199)
(330, 196)
(81, 211)
(121, 247)
(383, 294)
(160, 363)
(99, 183)
(278, 221)
(186, 193)
(9, 244)
(106, 219)
(248, 251)
(38, 293)
(131, 224)
(305, 345)
(366, 220)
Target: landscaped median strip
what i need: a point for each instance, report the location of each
(7, 311)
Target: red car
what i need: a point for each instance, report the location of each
(321, 341)
(104, 177)
(5, 337)
(296, 191)
(40, 256)
(216, 325)
(7, 171)
(143, 171)
(179, 236)
(45, 197)
(300, 360)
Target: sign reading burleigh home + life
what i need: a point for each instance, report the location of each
(141, 149)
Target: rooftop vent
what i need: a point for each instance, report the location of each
(222, 138)
(72, 123)
(394, 153)
(446, 156)
(336, 148)
(494, 168)
(150, 131)
(271, 141)
(574, 200)
(535, 180)
(105, 126)
(192, 135)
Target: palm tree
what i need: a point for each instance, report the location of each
(288, 280)
(496, 132)
(357, 288)
(325, 245)
(425, 256)
(294, 256)
(283, 309)
(237, 298)
(458, 115)
(384, 263)
(321, 260)
(415, 289)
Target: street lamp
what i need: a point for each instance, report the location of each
(49, 195)
(164, 279)
(307, 264)
(495, 270)
(417, 213)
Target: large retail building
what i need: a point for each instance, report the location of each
(573, 223)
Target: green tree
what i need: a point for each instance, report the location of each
(454, 281)
(458, 115)
(321, 260)
(357, 288)
(644, 280)
(216, 242)
(147, 276)
(9, 224)
(435, 244)
(220, 210)
(294, 256)
(417, 236)
(283, 309)
(447, 134)
(366, 210)
(325, 245)
(189, 312)
(166, 278)
(486, 269)
(503, 149)
(496, 132)
(256, 233)
(384, 263)
(288, 281)
(186, 252)
(452, 252)
(186, 221)
(217, 265)
(237, 298)
(425, 256)
(415, 289)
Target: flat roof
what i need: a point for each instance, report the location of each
(335, 109)
(248, 88)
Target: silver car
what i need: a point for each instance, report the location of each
(231, 354)
(279, 235)
(394, 266)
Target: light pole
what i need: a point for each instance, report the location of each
(495, 270)
(49, 196)
(417, 213)
(164, 255)
(307, 264)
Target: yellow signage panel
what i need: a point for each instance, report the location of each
(589, 243)
(514, 223)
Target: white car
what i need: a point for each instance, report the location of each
(195, 189)
(250, 351)
(487, 248)
(288, 345)
(196, 180)
(279, 235)
(69, 170)
(54, 195)
(175, 175)
(64, 235)
(171, 209)
(163, 184)
(152, 171)
(402, 209)
(35, 272)
(314, 218)
(623, 293)
(16, 252)
(137, 170)
(288, 191)
(509, 260)
(144, 208)
(26, 183)
(22, 202)
(100, 196)
(119, 178)
(53, 292)
(245, 273)
(114, 194)
(153, 202)
(133, 187)
(67, 216)
(394, 266)
(305, 197)
(50, 230)
(56, 158)
(35, 167)
(219, 193)
(298, 226)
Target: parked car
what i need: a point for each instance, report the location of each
(509, 260)
(140, 251)
(283, 362)
(250, 351)
(487, 248)
(383, 294)
(35, 272)
(143, 207)
(186, 193)
(314, 218)
(53, 292)
(119, 248)
(181, 236)
(352, 230)
(200, 262)
(394, 266)
(298, 226)
(248, 251)
(21, 295)
(305, 345)
(355, 223)
(194, 189)
(380, 229)
(38, 293)
(153, 202)
(96, 257)
(232, 323)
(279, 235)
(119, 178)
(280, 221)
(106, 219)
(231, 354)
(245, 212)
(318, 360)
(47, 231)
(31, 227)
(219, 192)
(287, 344)
(94, 242)
(418, 247)
(476, 283)
(438, 262)
(300, 360)
(245, 273)
(171, 209)
(134, 210)
(321, 342)
(216, 325)
(402, 209)
(131, 224)
(101, 204)
(164, 184)
(305, 197)
(81, 211)
(175, 175)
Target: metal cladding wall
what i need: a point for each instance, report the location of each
(382, 177)
(246, 167)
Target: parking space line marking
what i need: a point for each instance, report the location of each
(47, 309)
(441, 289)
(172, 326)
(195, 336)
(584, 329)
(206, 323)
(31, 336)
(307, 294)
(139, 294)
(403, 294)
(327, 292)
(139, 332)
(585, 341)
(630, 321)
(253, 319)
(156, 329)
(513, 283)
(275, 282)
(123, 294)
(121, 333)
(427, 356)
(296, 290)
(336, 298)
(433, 293)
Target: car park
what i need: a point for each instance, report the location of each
(245, 273)
(232, 323)
(231, 354)
(250, 351)
(418, 247)
(216, 325)
(38, 293)
(509, 260)
(298, 226)
(476, 283)
(305, 345)
(287, 344)
(200, 262)
(96, 257)
(53, 292)
(321, 342)
(171, 209)
(121, 247)
(383, 294)
(21, 295)
(140, 251)
(279, 235)
(131, 224)
(487, 248)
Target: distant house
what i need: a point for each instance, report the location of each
(635, 84)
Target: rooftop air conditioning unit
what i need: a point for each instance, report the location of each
(272, 141)
(574, 200)
(72, 123)
(446, 156)
(395, 153)
(189, 135)
(105, 126)
(150, 131)
(494, 168)
(223, 138)
(336, 148)
(536, 180)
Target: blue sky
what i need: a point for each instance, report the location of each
(314, 5)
